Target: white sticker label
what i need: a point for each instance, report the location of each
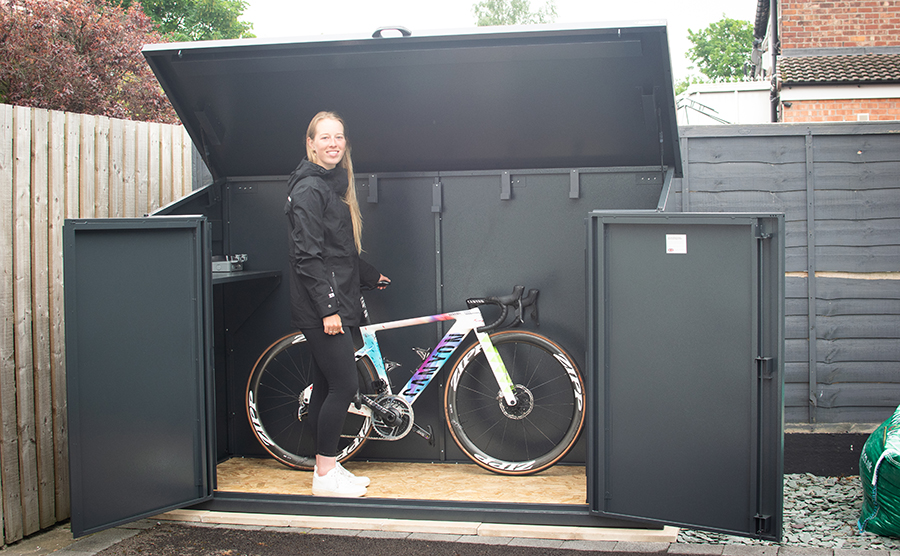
(676, 244)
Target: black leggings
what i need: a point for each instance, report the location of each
(335, 383)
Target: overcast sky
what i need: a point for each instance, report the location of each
(302, 18)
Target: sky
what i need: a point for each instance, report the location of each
(303, 18)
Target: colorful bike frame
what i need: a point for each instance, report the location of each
(466, 321)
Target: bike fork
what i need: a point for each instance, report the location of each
(507, 388)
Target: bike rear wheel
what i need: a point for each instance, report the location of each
(276, 397)
(545, 422)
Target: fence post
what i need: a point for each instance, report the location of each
(811, 276)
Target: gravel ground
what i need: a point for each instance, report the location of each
(819, 512)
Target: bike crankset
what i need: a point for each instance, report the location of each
(393, 417)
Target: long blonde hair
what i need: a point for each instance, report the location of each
(347, 164)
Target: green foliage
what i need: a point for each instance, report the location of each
(722, 50)
(682, 84)
(196, 20)
(79, 56)
(512, 12)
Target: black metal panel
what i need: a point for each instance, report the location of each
(534, 238)
(137, 361)
(399, 239)
(686, 361)
(497, 98)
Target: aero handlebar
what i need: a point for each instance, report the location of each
(515, 300)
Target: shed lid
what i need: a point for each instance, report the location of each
(482, 99)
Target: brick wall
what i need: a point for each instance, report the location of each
(841, 110)
(839, 24)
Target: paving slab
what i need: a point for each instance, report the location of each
(91, 544)
(383, 534)
(594, 546)
(804, 551)
(749, 550)
(434, 537)
(536, 543)
(697, 549)
(631, 546)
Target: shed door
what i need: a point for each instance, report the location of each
(138, 368)
(686, 351)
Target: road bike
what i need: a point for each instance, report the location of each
(513, 402)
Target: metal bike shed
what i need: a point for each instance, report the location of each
(478, 157)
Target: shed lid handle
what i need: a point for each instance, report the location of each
(403, 31)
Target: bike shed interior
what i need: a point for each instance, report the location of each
(478, 157)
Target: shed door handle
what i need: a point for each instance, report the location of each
(403, 31)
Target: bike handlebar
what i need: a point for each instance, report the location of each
(515, 299)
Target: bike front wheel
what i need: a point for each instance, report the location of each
(277, 396)
(540, 428)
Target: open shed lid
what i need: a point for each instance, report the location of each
(483, 99)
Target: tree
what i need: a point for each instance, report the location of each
(79, 56)
(722, 50)
(512, 12)
(196, 20)
(683, 84)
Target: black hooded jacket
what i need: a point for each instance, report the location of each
(326, 271)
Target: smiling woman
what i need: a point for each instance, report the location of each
(325, 279)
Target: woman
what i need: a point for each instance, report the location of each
(326, 273)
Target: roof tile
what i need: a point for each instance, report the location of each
(848, 68)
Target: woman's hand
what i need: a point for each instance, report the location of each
(383, 282)
(332, 324)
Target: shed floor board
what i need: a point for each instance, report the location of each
(561, 484)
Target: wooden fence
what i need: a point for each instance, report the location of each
(839, 188)
(53, 166)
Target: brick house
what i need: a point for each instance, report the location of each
(835, 61)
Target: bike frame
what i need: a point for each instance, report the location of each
(466, 321)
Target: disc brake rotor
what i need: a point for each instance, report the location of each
(524, 403)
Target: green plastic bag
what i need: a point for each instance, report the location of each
(879, 472)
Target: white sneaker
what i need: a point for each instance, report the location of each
(334, 483)
(355, 479)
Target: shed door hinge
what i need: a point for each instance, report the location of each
(763, 523)
(759, 231)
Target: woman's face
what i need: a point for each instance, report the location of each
(328, 144)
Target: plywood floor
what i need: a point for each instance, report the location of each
(561, 484)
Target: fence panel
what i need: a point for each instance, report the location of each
(839, 187)
(54, 166)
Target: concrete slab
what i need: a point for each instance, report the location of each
(804, 551)
(665, 535)
(593, 546)
(462, 528)
(697, 549)
(383, 534)
(96, 542)
(630, 546)
(536, 543)
(433, 537)
(749, 550)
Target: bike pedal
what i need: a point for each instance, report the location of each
(427, 433)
